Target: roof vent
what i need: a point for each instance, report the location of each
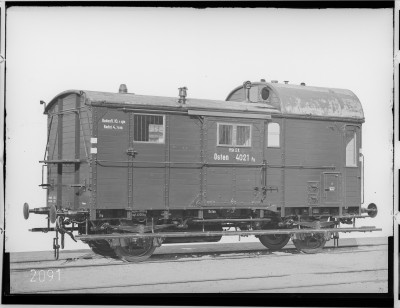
(274, 81)
(303, 84)
(286, 81)
(247, 87)
(123, 88)
(182, 95)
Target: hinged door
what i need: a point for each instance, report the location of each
(332, 183)
(109, 145)
(149, 169)
(234, 157)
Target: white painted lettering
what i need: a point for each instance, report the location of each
(113, 121)
(221, 156)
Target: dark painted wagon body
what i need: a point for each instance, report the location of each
(159, 169)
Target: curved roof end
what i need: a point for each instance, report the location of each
(318, 101)
(301, 100)
(64, 93)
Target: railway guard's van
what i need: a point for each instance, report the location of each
(130, 172)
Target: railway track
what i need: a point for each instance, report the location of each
(234, 284)
(93, 260)
(242, 267)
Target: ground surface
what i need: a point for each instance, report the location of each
(357, 266)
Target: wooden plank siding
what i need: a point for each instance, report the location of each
(188, 168)
(184, 146)
(85, 133)
(52, 154)
(111, 170)
(352, 188)
(309, 143)
(234, 185)
(65, 126)
(274, 175)
(149, 173)
(318, 144)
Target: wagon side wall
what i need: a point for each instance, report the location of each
(312, 153)
(310, 148)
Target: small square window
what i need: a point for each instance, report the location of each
(148, 128)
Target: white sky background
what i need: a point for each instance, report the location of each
(155, 51)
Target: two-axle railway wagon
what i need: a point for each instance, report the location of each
(131, 172)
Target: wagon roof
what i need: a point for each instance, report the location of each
(314, 101)
(294, 100)
(130, 100)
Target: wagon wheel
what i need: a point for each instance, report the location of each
(309, 243)
(102, 247)
(274, 241)
(136, 250)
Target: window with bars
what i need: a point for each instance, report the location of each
(273, 135)
(234, 134)
(148, 128)
(351, 149)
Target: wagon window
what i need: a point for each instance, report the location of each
(234, 134)
(225, 132)
(243, 135)
(351, 149)
(273, 135)
(148, 128)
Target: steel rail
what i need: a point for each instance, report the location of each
(170, 257)
(17, 266)
(223, 233)
(202, 280)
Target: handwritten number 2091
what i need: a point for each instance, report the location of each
(42, 275)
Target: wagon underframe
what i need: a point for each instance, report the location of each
(89, 237)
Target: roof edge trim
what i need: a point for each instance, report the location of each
(230, 114)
